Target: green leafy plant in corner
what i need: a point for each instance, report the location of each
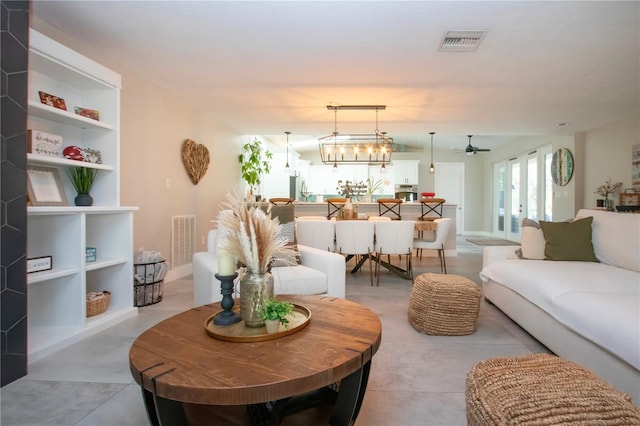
(274, 310)
(82, 178)
(252, 162)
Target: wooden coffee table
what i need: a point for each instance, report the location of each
(178, 365)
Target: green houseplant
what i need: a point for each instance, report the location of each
(253, 164)
(82, 179)
(276, 312)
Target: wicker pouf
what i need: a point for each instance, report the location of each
(444, 305)
(542, 389)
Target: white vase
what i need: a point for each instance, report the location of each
(273, 326)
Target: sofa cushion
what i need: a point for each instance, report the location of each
(532, 242)
(568, 240)
(299, 279)
(618, 251)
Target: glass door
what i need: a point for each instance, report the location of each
(514, 200)
(499, 176)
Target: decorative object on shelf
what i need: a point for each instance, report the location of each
(227, 316)
(44, 187)
(607, 188)
(372, 149)
(432, 168)
(249, 234)
(196, 160)
(42, 143)
(89, 113)
(562, 166)
(73, 152)
(53, 101)
(630, 199)
(253, 163)
(97, 302)
(37, 264)
(275, 313)
(92, 156)
(82, 180)
(91, 254)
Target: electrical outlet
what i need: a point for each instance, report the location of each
(167, 183)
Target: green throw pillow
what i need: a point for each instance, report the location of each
(568, 240)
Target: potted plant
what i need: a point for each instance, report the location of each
(82, 180)
(253, 164)
(372, 186)
(275, 313)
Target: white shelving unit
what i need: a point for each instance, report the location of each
(57, 298)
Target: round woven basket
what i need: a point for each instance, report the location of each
(97, 303)
(542, 389)
(444, 305)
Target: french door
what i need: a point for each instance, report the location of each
(522, 188)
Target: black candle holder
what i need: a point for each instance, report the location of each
(227, 316)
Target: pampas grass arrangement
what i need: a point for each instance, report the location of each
(251, 235)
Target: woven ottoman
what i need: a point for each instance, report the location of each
(444, 305)
(542, 389)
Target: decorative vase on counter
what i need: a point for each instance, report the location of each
(255, 289)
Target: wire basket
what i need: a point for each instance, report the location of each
(97, 303)
(148, 281)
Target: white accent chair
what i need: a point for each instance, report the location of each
(443, 226)
(356, 238)
(318, 234)
(320, 272)
(394, 238)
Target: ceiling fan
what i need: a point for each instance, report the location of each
(473, 150)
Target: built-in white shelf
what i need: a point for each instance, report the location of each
(65, 117)
(105, 263)
(38, 277)
(64, 162)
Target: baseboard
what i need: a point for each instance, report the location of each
(179, 272)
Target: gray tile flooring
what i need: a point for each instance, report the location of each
(415, 379)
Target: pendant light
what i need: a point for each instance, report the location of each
(287, 169)
(432, 168)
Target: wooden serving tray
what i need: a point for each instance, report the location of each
(238, 332)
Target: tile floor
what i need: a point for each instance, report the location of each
(415, 379)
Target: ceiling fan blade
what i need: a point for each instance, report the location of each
(482, 150)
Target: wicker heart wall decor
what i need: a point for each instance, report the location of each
(196, 160)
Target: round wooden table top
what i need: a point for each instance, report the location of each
(177, 360)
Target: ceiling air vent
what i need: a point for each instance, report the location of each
(461, 41)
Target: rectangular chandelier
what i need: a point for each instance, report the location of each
(358, 148)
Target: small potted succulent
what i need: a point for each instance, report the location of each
(82, 180)
(275, 313)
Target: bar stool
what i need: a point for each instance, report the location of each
(334, 205)
(280, 201)
(390, 206)
(431, 205)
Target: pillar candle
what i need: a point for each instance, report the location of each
(226, 263)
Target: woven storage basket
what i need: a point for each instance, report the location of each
(444, 305)
(99, 304)
(542, 389)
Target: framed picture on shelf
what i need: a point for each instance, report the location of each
(44, 187)
(37, 264)
(89, 113)
(630, 199)
(52, 100)
(42, 143)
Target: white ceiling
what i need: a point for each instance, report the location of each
(266, 67)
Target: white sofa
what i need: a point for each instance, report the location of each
(320, 272)
(587, 312)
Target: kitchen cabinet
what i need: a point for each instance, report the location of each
(406, 172)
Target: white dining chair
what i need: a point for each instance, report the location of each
(394, 238)
(442, 230)
(354, 238)
(319, 234)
